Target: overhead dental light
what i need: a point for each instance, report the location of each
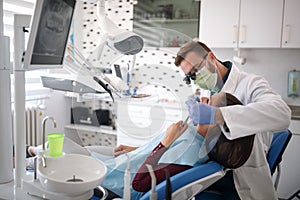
(126, 42)
(120, 40)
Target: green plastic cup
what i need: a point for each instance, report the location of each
(56, 141)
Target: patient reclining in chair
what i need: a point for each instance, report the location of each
(175, 150)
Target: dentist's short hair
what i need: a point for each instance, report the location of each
(191, 46)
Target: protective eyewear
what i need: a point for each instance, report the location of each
(192, 74)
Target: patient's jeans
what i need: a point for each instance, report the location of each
(222, 189)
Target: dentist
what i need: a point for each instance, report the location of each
(264, 112)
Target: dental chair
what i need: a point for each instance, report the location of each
(192, 182)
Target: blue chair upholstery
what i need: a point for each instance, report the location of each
(278, 146)
(184, 178)
(199, 173)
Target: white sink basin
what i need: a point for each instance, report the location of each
(71, 173)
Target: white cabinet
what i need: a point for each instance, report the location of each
(241, 23)
(219, 21)
(291, 24)
(260, 23)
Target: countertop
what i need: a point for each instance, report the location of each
(102, 129)
(295, 112)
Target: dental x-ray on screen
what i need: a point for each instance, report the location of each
(49, 34)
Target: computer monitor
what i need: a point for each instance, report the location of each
(49, 32)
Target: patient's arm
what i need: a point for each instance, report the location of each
(173, 132)
(123, 149)
(142, 179)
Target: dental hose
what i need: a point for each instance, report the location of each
(168, 194)
(153, 195)
(127, 177)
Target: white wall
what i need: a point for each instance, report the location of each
(58, 107)
(273, 64)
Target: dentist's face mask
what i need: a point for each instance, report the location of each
(206, 79)
(203, 74)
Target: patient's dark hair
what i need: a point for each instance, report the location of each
(229, 153)
(232, 100)
(224, 99)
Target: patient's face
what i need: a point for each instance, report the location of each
(216, 100)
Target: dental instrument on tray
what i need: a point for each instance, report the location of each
(153, 195)
(184, 123)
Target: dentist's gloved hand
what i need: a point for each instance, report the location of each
(201, 113)
(191, 101)
(194, 98)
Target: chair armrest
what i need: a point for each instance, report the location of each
(186, 177)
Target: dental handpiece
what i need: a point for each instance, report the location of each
(184, 122)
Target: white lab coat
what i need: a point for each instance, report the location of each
(264, 112)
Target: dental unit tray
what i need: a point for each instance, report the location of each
(71, 84)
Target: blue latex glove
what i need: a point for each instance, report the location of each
(192, 100)
(201, 113)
